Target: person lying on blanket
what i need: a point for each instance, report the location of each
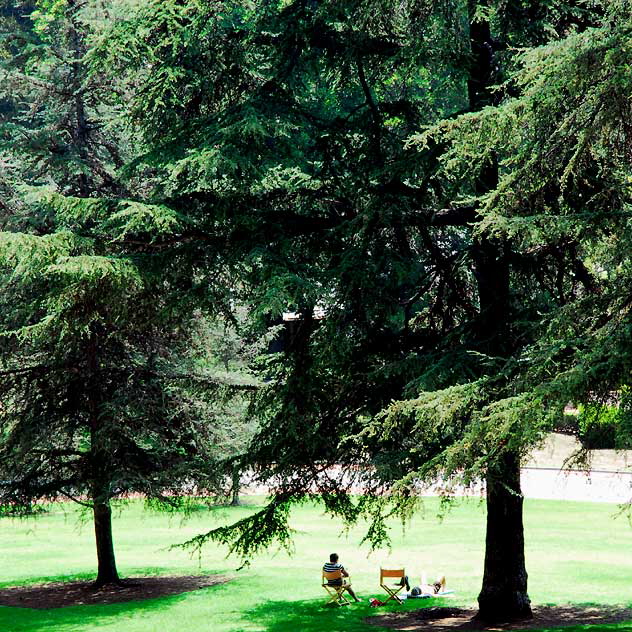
(332, 566)
(426, 588)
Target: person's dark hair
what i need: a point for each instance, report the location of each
(333, 558)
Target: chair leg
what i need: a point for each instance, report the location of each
(336, 596)
(342, 600)
(392, 594)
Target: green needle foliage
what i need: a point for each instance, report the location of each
(344, 158)
(437, 189)
(101, 397)
(96, 403)
(563, 147)
(56, 127)
(361, 160)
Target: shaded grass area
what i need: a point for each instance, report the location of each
(448, 619)
(576, 553)
(65, 593)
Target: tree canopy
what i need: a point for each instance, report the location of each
(437, 189)
(101, 394)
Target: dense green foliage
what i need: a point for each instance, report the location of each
(298, 161)
(103, 394)
(439, 190)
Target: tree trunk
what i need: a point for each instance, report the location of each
(503, 596)
(80, 131)
(107, 573)
(235, 486)
(100, 485)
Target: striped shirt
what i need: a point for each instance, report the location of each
(329, 567)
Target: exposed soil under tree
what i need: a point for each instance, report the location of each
(61, 594)
(442, 619)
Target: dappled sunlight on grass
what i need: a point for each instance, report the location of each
(309, 616)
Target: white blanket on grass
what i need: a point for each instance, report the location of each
(444, 593)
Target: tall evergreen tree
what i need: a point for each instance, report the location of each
(97, 402)
(288, 136)
(99, 397)
(563, 193)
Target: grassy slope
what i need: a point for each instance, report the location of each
(576, 552)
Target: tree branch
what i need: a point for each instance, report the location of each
(375, 112)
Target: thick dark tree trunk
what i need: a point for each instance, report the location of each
(503, 596)
(107, 573)
(100, 486)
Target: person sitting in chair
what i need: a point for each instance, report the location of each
(334, 566)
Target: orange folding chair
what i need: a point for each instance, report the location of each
(336, 592)
(393, 589)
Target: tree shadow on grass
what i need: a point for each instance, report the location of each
(130, 573)
(313, 616)
(47, 579)
(75, 618)
(84, 617)
(567, 617)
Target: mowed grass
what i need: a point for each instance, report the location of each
(576, 553)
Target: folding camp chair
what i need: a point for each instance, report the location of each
(392, 573)
(336, 592)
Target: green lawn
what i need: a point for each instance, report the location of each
(576, 553)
